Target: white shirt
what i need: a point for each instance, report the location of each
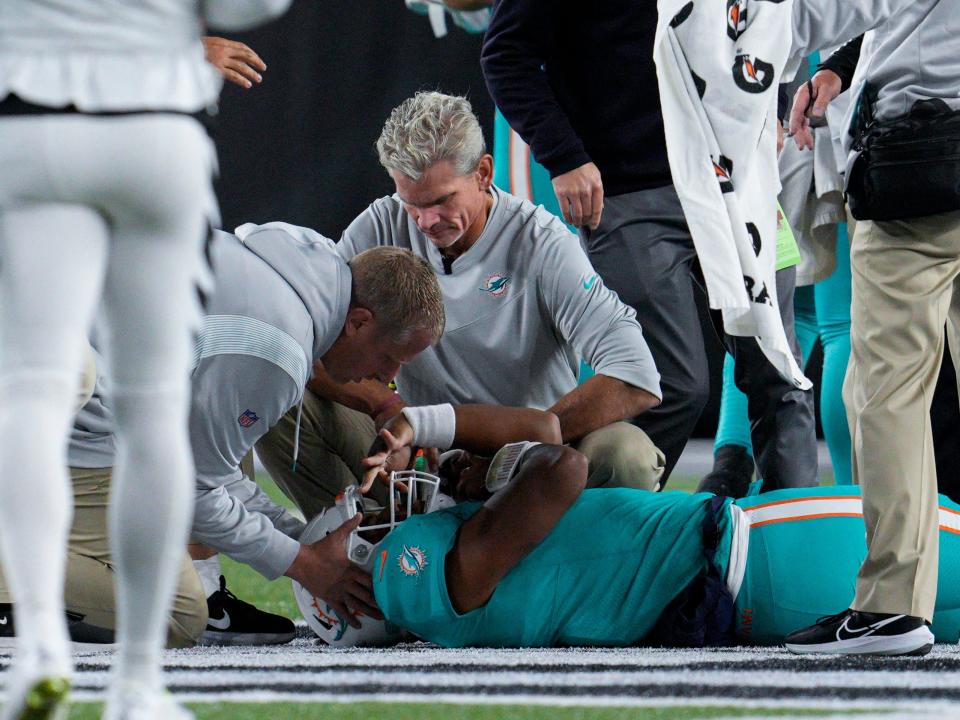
(117, 55)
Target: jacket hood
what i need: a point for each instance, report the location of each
(309, 262)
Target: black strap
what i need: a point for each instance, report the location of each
(14, 105)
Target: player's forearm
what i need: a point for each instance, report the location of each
(599, 401)
(487, 428)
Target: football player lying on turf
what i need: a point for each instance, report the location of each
(534, 560)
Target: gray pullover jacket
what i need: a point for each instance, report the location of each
(523, 305)
(281, 299)
(910, 52)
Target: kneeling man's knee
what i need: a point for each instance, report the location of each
(188, 617)
(621, 455)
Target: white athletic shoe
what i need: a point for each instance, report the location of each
(135, 701)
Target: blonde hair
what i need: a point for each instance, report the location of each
(400, 289)
(428, 128)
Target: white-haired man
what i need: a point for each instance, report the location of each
(523, 306)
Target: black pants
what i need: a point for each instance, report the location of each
(644, 252)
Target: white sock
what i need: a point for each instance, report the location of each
(36, 507)
(209, 572)
(150, 510)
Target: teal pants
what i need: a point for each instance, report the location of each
(823, 312)
(805, 548)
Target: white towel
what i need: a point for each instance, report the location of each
(718, 92)
(718, 78)
(812, 196)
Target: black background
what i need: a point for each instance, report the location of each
(300, 146)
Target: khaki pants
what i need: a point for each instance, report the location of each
(334, 439)
(89, 581)
(903, 278)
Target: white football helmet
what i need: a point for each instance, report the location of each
(406, 487)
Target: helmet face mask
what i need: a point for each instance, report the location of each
(408, 490)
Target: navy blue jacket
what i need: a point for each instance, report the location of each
(577, 81)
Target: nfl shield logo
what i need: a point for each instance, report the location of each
(248, 418)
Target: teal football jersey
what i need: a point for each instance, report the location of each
(805, 548)
(602, 577)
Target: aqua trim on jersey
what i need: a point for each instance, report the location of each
(602, 577)
(805, 548)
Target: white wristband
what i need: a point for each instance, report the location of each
(504, 465)
(433, 425)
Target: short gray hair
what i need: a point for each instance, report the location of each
(428, 128)
(400, 289)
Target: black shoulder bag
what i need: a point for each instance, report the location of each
(908, 166)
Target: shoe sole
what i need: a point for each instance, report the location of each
(915, 643)
(46, 700)
(212, 637)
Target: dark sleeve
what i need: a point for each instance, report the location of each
(844, 62)
(519, 43)
(783, 102)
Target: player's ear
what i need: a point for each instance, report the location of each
(357, 318)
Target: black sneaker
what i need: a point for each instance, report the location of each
(861, 633)
(80, 631)
(6, 620)
(234, 622)
(732, 472)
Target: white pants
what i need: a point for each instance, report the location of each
(116, 207)
(119, 203)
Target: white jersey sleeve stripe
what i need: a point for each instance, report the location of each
(799, 509)
(241, 335)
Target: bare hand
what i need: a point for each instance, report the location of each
(389, 451)
(826, 86)
(324, 569)
(580, 193)
(432, 457)
(235, 61)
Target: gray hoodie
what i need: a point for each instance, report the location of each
(909, 51)
(281, 300)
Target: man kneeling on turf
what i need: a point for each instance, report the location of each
(531, 559)
(284, 300)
